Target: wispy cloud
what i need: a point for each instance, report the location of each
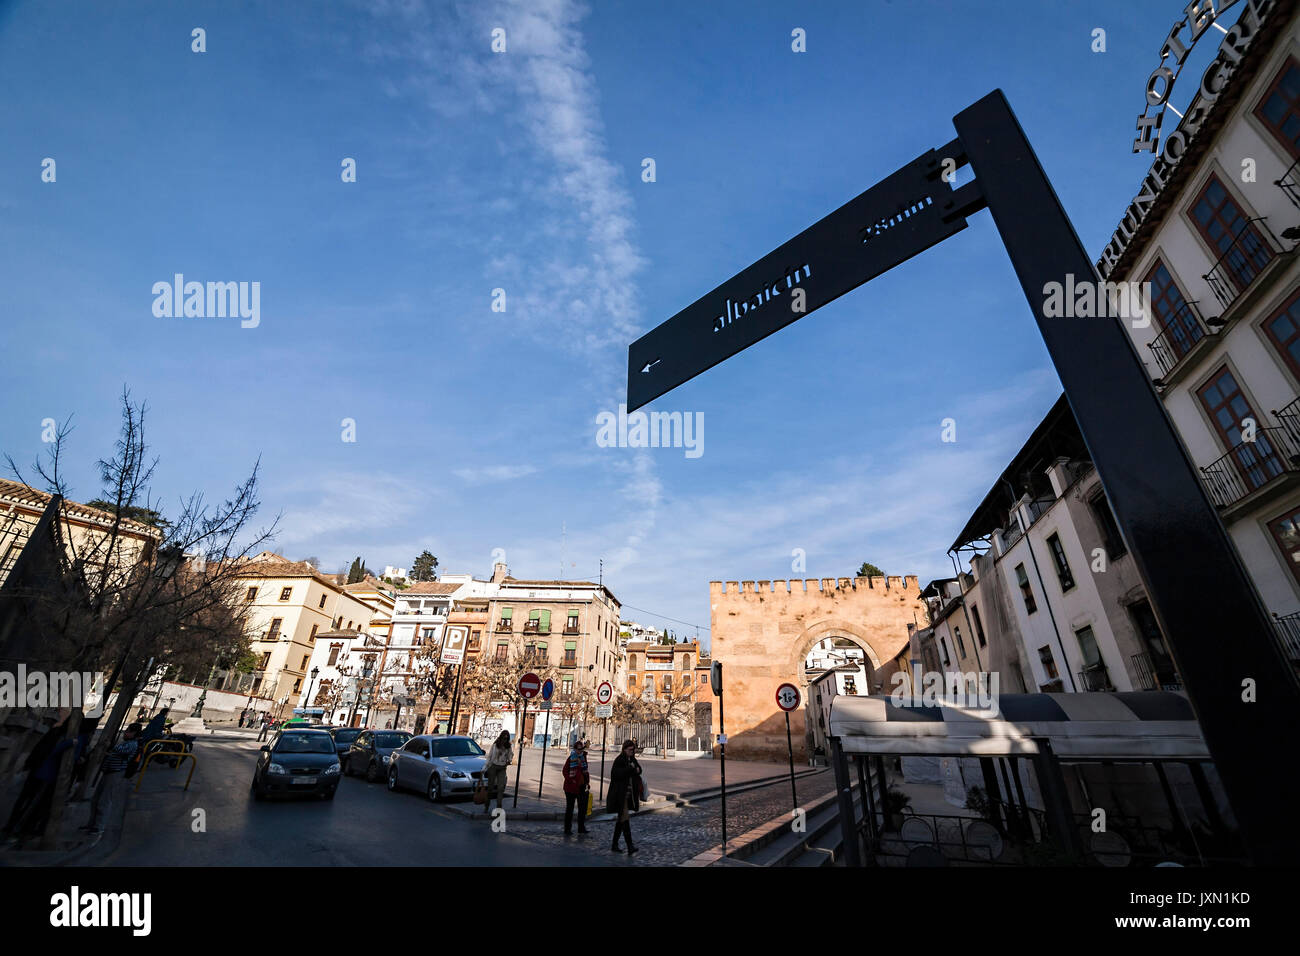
(494, 472)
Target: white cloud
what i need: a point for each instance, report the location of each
(495, 472)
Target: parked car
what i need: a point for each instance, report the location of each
(437, 765)
(343, 738)
(370, 752)
(297, 761)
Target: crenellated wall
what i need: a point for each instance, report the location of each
(762, 632)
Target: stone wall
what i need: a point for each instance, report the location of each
(762, 632)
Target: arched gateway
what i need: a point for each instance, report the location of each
(763, 636)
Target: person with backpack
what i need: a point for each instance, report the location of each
(577, 784)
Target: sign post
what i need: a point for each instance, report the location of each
(787, 698)
(529, 685)
(547, 690)
(715, 679)
(604, 710)
(1150, 482)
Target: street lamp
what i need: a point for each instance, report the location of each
(315, 671)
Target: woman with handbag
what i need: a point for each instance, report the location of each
(625, 789)
(499, 758)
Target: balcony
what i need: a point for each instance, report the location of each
(570, 629)
(1241, 263)
(504, 625)
(1288, 633)
(1289, 418)
(1249, 467)
(1184, 330)
(1146, 676)
(1290, 183)
(1095, 677)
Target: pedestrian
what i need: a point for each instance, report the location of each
(266, 727)
(110, 783)
(577, 784)
(37, 814)
(243, 717)
(624, 794)
(499, 758)
(34, 785)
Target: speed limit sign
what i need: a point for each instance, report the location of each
(605, 692)
(787, 697)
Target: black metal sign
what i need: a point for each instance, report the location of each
(899, 217)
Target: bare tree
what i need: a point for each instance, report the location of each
(131, 596)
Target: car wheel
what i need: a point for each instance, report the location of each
(372, 772)
(343, 766)
(435, 788)
(256, 791)
(392, 778)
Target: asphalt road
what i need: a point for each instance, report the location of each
(364, 825)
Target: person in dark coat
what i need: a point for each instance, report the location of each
(624, 794)
(34, 784)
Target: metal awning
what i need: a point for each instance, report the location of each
(1124, 726)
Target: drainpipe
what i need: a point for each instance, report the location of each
(1043, 589)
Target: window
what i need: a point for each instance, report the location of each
(266, 659)
(1257, 462)
(566, 686)
(961, 645)
(543, 650)
(686, 662)
(506, 614)
(979, 625)
(1173, 315)
(1049, 664)
(334, 654)
(322, 600)
(1062, 564)
(1109, 527)
(285, 593)
(631, 661)
(1222, 223)
(305, 659)
(944, 649)
(503, 648)
(1286, 532)
(474, 638)
(339, 623)
(850, 685)
(704, 678)
(631, 683)
(251, 595)
(668, 683)
(1283, 330)
(274, 633)
(1025, 590)
(427, 635)
(1091, 659)
(314, 628)
(570, 653)
(349, 625)
(571, 623)
(1279, 109)
(297, 685)
(544, 622)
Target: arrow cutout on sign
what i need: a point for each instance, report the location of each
(650, 365)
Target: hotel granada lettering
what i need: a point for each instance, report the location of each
(1237, 40)
(737, 310)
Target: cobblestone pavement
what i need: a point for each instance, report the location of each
(668, 837)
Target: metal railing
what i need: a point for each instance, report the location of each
(1287, 627)
(1290, 183)
(1250, 465)
(1095, 678)
(1289, 418)
(1244, 259)
(1144, 673)
(1183, 330)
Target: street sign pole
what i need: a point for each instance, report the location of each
(1161, 506)
(546, 737)
(716, 677)
(523, 722)
(787, 698)
(604, 739)
(794, 794)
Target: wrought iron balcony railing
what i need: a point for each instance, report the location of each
(1245, 258)
(1144, 674)
(1250, 465)
(1183, 329)
(1288, 632)
(1289, 418)
(1095, 677)
(1290, 183)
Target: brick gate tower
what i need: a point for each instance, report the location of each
(762, 636)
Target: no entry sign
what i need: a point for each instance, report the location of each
(787, 697)
(605, 692)
(529, 685)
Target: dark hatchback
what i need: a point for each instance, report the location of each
(371, 751)
(297, 762)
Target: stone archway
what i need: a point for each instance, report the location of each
(820, 631)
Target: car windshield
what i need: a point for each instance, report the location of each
(346, 736)
(456, 747)
(391, 740)
(304, 743)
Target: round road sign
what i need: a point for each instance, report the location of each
(529, 685)
(787, 697)
(605, 692)
(548, 689)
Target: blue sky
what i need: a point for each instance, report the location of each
(475, 429)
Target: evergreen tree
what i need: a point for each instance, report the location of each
(869, 570)
(425, 567)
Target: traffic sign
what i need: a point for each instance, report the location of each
(454, 640)
(529, 685)
(604, 710)
(548, 689)
(544, 705)
(787, 697)
(604, 693)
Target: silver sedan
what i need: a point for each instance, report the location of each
(437, 765)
